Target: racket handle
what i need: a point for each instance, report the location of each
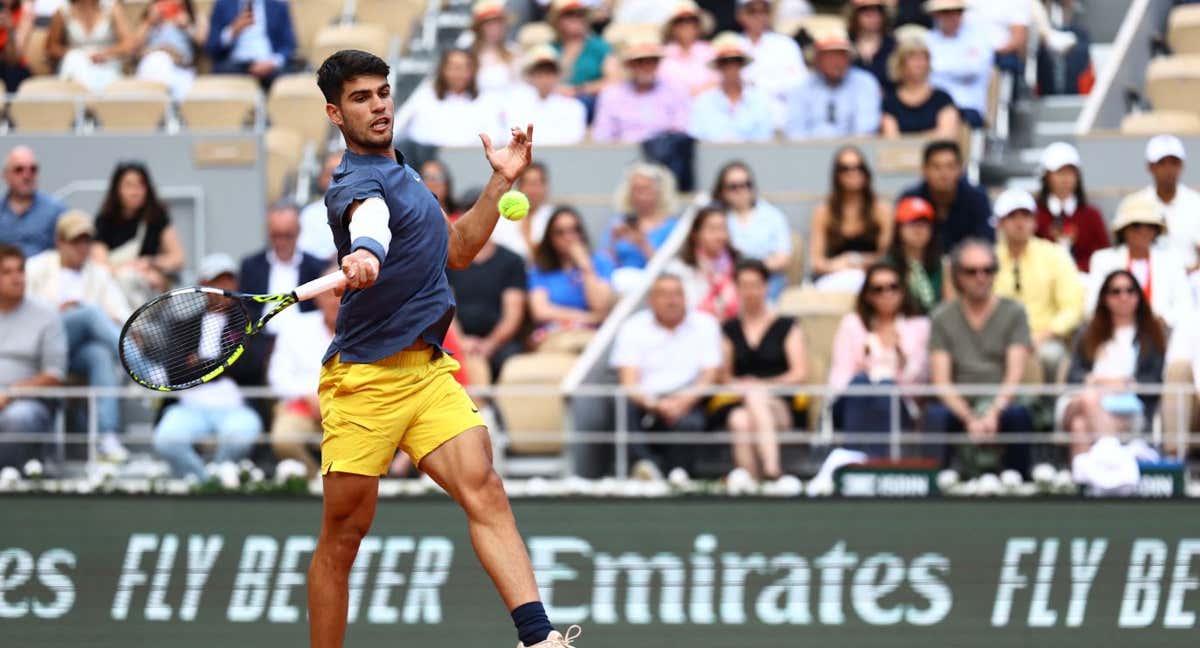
(320, 285)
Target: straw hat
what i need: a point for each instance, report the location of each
(485, 10)
(688, 9)
(730, 45)
(934, 6)
(539, 55)
(1138, 209)
(640, 48)
(832, 39)
(558, 7)
(73, 224)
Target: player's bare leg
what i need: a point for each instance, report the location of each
(349, 508)
(463, 468)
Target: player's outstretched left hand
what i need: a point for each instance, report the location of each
(361, 269)
(512, 160)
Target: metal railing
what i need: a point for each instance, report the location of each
(620, 436)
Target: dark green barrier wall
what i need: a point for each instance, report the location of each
(207, 573)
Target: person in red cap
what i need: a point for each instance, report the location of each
(838, 100)
(916, 250)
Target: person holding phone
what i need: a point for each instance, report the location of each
(16, 23)
(254, 37)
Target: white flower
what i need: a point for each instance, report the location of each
(245, 465)
(256, 475)
(1064, 483)
(1011, 480)
(678, 477)
(819, 488)
(9, 475)
(739, 482)
(289, 469)
(947, 479)
(1044, 474)
(537, 487)
(229, 475)
(785, 486)
(656, 489)
(989, 485)
(33, 468)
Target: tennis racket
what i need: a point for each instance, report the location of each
(190, 336)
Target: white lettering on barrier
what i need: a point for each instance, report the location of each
(639, 573)
(202, 555)
(252, 586)
(18, 567)
(157, 608)
(786, 600)
(1182, 580)
(1085, 562)
(704, 580)
(832, 564)
(870, 586)
(50, 574)
(132, 575)
(380, 611)
(1040, 614)
(923, 576)
(1147, 562)
(367, 549)
(1010, 578)
(290, 576)
(543, 554)
(423, 604)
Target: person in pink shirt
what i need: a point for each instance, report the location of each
(645, 104)
(884, 341)
(687, 55)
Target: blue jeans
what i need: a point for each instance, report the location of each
(1015, 418)
(23, 416)
(867, 414)
(92, 353)
(182, 426)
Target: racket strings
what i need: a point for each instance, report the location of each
(180, 338)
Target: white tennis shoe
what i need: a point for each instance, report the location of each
(556, 640)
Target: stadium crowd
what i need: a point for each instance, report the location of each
(948, 287)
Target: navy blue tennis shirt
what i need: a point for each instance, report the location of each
(411, 300)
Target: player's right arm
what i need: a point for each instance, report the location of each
(369, 242)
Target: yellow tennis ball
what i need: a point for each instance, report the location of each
(514, 205)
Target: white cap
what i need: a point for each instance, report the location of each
(1164, 146)
(1013, 200)
(215, 265)
(1059, 155)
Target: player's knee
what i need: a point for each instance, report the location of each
(483, 491)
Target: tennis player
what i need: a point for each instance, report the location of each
(386, 382)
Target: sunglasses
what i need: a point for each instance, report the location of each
(739, 186)
(846, 168)
(981, 271)
(24, 168)
(563, 231)
(880, 289)
(1117, 291)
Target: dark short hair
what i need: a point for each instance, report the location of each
(938, 146)
(752, 265)
(8, 250)
(343, 65)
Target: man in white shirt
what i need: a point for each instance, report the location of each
(1178, 203)
(1007, 25)
(664, 355)
(92, 307)
(961, 56)
(294, 373)
(213, 410)
(315, 236)
(560, 120)
(777, 65)
(839, 100)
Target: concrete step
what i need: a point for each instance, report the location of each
(1059, 108)
(1046, 133)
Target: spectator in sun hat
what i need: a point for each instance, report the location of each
(1064, 214)
(838, 100)
(645, 104)
(918, 252)
(488, 39)
(961, 55)
(560, 119)
(776, 62)
(1041, 276)
(732, 111)
(1158, 269)
(872, 38)
(586, 58)
(1178, 203)
(687, 54)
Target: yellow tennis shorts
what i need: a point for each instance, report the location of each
(408, 401)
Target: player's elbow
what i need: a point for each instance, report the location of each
(458, 261)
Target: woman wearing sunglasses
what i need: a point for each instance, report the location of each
(1122, 346)
(884, 341)
(757, 228)
(851, 229)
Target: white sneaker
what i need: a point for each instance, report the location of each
(556, 640)
(645, 470)
(111, 449)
